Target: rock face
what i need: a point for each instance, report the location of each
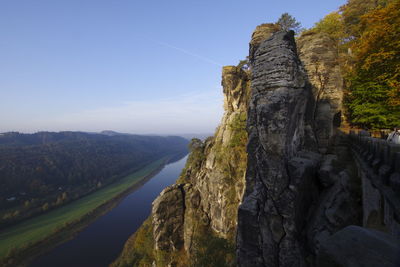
(319, 56)
(279, 180)
(207, 194)
(294, 198)
(260, 34)
(286, 197)
(169, 232)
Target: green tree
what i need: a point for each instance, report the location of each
(367, 105)
(287, 22)
(332, 25)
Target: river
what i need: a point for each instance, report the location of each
(101, 242)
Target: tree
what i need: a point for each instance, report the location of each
(332, 25)
(287, 22)
(374, 96)
(353, 10)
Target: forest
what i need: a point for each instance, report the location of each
(41, 171)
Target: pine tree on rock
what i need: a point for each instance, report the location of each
(287, 22)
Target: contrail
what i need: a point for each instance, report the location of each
(190, 54)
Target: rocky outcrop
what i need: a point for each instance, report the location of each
(297, 182)
(294, 197)
(201, 208)
(301, 186)
(279, 180)
(168, 233)
(260, 34)
(319, 55)
(220, 178)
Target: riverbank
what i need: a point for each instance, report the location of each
(40, 234)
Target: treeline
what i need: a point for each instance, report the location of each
(367, 33)
(44, 170)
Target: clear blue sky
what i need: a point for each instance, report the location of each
(126, 65)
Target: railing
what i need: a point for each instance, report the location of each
(379, 161)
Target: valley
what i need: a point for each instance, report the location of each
(59, 225)
(200, 133)
(106, 169)
(101, 242)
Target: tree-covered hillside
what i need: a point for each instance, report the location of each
(44, 170)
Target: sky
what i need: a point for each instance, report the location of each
(145, 67)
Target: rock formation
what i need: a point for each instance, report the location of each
(279, 175)
(319, 55)
(260, 34)
(303, 180)
(285, 197)
(211, 186)
(202, 206)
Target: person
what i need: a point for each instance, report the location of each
(394, 137)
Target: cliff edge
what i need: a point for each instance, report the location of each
(193, 222)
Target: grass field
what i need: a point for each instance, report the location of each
(41, 227)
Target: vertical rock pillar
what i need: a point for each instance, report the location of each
(275, 201)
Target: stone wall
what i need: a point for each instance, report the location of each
(379, 167)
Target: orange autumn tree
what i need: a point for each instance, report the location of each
(353, 11)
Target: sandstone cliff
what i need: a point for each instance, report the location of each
(300, 181)
(279, 174)
(319, 55)
(200, 210)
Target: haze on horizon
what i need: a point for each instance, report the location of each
(129, 66)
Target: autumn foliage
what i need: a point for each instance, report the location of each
(368, 36)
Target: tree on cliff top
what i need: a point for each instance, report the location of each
(287, 22)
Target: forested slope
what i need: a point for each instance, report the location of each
(44, 170)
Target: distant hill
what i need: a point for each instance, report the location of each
(112, 133)
(40, 138)
(188, 136)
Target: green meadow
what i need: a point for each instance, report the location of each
(41, 227)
